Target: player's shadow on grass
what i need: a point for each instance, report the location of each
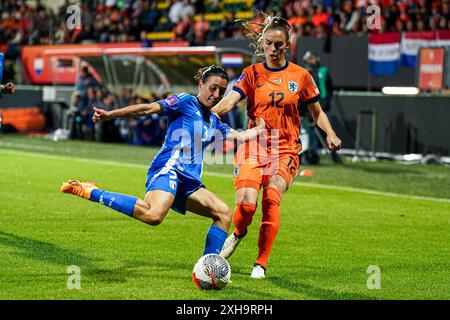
(317, 292)
(50, 253)
(43, 251)
(114, 275)
(136, 269)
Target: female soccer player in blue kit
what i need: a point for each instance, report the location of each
(174, 177)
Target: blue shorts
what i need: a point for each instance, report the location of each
(171, 180)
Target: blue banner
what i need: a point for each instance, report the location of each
(2, 59)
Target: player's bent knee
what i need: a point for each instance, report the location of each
(223, 210)
(246, 208)
(224, 213)
(247, 195)
(154, 217)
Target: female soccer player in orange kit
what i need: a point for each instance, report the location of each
(274, 90)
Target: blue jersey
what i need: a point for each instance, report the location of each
(190, 129)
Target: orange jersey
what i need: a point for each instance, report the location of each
(275, 95)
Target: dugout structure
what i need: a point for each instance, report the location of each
(160, 70)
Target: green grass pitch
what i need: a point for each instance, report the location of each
(329, 236)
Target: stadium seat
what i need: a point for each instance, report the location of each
(163, 5)
(244, 15)
(160, 36)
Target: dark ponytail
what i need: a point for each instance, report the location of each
(204, 73)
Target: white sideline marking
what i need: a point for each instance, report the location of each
(222, 175)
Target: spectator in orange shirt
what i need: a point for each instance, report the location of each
(297, 20)
(319, 17)
(201, 30)
(182, 29)
(403, 16)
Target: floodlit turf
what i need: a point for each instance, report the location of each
(328, 237)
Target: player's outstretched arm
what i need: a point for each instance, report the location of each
(135, 110)
(226, 104)
(248, 134)
(321, 119)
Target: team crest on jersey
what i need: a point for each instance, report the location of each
(293, 86)
(173, 185)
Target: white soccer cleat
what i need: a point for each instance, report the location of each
(258, 272)
(230, 245)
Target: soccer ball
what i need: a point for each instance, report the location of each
(211, 272)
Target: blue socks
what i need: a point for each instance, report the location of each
(117, 201)
(214, 240)
(125, 204)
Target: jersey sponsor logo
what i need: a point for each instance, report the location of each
(293, 86)
(171, 101)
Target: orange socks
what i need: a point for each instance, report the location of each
(242, 217)
(269, 225)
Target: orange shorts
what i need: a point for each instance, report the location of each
(253, 174)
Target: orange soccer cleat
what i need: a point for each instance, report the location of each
(78, 188)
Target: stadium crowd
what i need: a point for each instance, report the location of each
(132, 20)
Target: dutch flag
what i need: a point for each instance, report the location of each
(443, 38)
(384, 53)
(232, 60)
(412, 42)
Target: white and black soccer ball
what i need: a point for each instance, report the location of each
(211, 272)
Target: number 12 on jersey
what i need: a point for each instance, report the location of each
(279, 98)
